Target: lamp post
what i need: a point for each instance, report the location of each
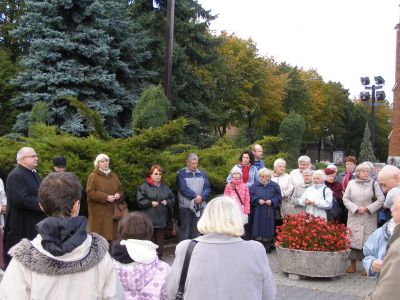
(375, 95)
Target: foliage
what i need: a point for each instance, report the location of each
(194, 47)
(94, 119)
(309, 233)
(8, 69)
(383, 128)
(366, 151)
(291, 132)
(79, 49)
(152, 110)
(320, 165)
(39, 113)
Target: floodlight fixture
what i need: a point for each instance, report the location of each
(364, 96)
(365, 80)
(379, 80)
(380, 95)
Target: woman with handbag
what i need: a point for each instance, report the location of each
(221, 265)
(363, 198)
(104, 196)
(239, 191)
(156, 200)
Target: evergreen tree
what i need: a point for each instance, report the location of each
(152, 110)
(194, 48)
(366, 151)
(291, 131)
(80, 48)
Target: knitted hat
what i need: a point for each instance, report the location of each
(329, 171)
(236, 169)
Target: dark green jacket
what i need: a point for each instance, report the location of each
(160, 215)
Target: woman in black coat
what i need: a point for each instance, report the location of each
(156, 200)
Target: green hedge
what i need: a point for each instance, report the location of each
(130, 157)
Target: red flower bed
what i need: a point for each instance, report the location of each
(306, 232)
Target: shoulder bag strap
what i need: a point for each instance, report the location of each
(323, 191)
(237, 193)
(182, 280)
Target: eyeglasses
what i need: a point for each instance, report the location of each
(32, 156)
(157, 174)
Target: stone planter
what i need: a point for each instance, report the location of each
(312, 263)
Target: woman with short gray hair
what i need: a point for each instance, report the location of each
(363, 198)
(286, 185)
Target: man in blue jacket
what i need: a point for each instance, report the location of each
(193, 190)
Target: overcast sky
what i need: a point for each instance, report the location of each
(342, 39)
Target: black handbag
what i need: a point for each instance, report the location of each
(182, 280)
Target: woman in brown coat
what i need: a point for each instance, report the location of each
(103, 189)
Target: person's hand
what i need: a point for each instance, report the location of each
(117, 196)
(309, 202)
(376, 265)
(164, 202)
(361, 210)
(268, 202)
(261, 202)
(198, 199)
(154, 203)
(111, 198)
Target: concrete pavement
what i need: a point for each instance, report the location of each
(345, 287)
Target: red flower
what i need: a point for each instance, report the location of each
(306, 232)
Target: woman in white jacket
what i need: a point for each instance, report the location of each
(318, 197)
(63, 261)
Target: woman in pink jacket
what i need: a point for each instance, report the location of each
(239, 191)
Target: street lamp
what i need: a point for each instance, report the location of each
(375, 95)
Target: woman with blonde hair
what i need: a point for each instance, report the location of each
(103, 191)
(222, 265)
(363, 198)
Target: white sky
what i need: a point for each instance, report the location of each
(343, 39)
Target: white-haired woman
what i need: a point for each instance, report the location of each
(222, 265)
(363, 198)
(318, 197)
(304, 162)
(285, 183)
(103, 189)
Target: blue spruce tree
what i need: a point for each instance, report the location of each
(85, 49)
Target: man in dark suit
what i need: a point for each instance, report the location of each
(23, 210)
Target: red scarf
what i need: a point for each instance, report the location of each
(151, 182)
(245, 173)
(346, 180)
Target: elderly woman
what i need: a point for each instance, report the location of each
(298, 192)
(318, 197)
(337, 194)
(363, 198)
(103, 190)
(285, 183)
(222, 265)
(249, 170)
(156, 200)
(304, 162)
(265, 197)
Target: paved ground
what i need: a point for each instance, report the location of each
(345, 287)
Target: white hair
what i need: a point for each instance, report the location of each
(319, 173)
(21, 152)
(100, 157)
(265, 171)
(362, 167)
(192, 156)
(279, 161)
(308, 171)
(304, 158)
(222, 215)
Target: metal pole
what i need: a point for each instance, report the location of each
(169, 47)
(373, 118)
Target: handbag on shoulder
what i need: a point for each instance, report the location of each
(182, 280)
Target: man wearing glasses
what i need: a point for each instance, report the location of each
(23, 210)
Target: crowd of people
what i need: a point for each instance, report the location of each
(122, 255)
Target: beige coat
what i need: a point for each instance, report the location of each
(359, 193)
(99, 186)
(387, 287)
